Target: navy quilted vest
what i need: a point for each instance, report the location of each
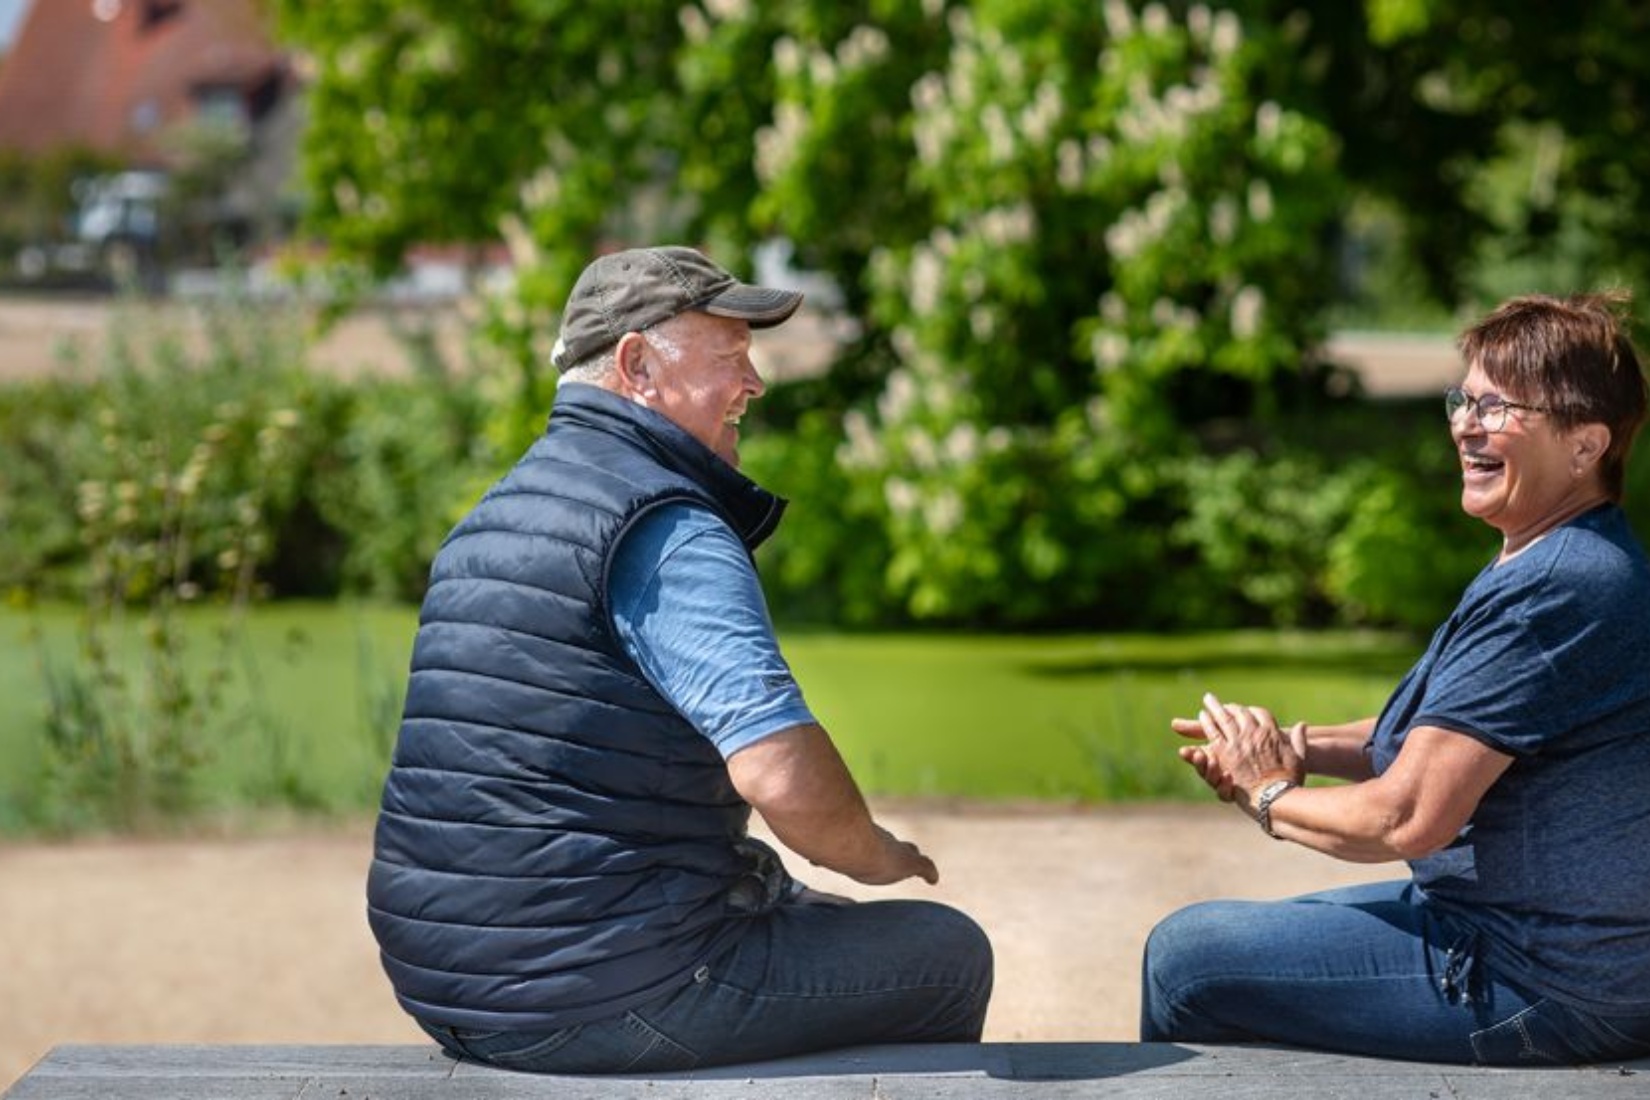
(556, 844)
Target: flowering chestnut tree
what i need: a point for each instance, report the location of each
(1076, 238)
(1114, 207)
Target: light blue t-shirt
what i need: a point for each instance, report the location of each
(689, 610)
(1547, 659)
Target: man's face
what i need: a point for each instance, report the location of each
(702, 377)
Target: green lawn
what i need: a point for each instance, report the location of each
(311, 715)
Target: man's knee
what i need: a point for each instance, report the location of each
(954, 938)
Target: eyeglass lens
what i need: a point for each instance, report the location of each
(1490, 409)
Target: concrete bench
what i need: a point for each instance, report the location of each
(995, 1070)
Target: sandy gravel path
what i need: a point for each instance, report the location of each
(265, 940)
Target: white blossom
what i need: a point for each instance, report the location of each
(861, 448)
(927, 279)
(1155, 19)
(1113, 309)
(728, 11)
(898, 398)
(1199, 22)
(982, 322)
(776, 145)
(1108, 348)
(928, 93)
(1037, 121)
(902, 497)
(1268, 121)
(1260, 200)
(821, 69)
(920, 445)
(1002, 226)
(999, 135)
(518, 241)
(1126, 236)
(1228, 34)
(1119, 19)
(943, 513)
(695, 27)
(962, 444)
(787, 57)
(1248, 309)
(864, 45)
(1223, 220)
(1069, 161)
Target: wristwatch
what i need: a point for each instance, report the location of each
(1268, 795)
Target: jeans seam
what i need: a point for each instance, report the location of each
(1519, 1022)
(656, 1039)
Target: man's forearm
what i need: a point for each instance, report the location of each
(799, 784)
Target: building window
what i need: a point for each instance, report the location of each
(221, 105)
(145, 116)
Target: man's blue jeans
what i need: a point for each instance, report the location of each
(1362, 970)
(805, 976)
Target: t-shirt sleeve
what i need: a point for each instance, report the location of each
(688, 608)
(1490, 688)
(1519, 671)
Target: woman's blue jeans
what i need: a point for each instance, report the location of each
(804, 976)
(1362, 970)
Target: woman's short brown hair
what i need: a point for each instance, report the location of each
(1574, 356)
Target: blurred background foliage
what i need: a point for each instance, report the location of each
(1090, 254)
(1087, 258)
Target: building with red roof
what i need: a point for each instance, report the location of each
(119, 76)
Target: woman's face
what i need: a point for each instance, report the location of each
(1524, 479)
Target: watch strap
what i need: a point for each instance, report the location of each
(1263, 804)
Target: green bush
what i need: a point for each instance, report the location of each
(1263, 527)
(165, 465)
(182, 459)
(1403, 557)
(400, 471)
(828, 562)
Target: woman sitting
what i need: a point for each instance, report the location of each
(1510, 768)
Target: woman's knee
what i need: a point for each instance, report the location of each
(1199, 939)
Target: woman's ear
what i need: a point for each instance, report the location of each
(1588, 442)
(633, 367)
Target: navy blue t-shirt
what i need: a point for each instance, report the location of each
(1547, 659)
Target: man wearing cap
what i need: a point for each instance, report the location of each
(562, 880)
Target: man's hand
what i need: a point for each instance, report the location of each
(904, 860)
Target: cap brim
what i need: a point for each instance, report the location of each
(761, 306)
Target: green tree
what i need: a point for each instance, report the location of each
(1083, 243)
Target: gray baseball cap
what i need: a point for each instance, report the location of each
(632, 290)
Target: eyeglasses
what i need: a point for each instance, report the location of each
(1490, 408)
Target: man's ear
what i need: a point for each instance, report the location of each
(633, 365)
(1588, 443)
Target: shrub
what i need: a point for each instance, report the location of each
(1263, 527)
(401, 469)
